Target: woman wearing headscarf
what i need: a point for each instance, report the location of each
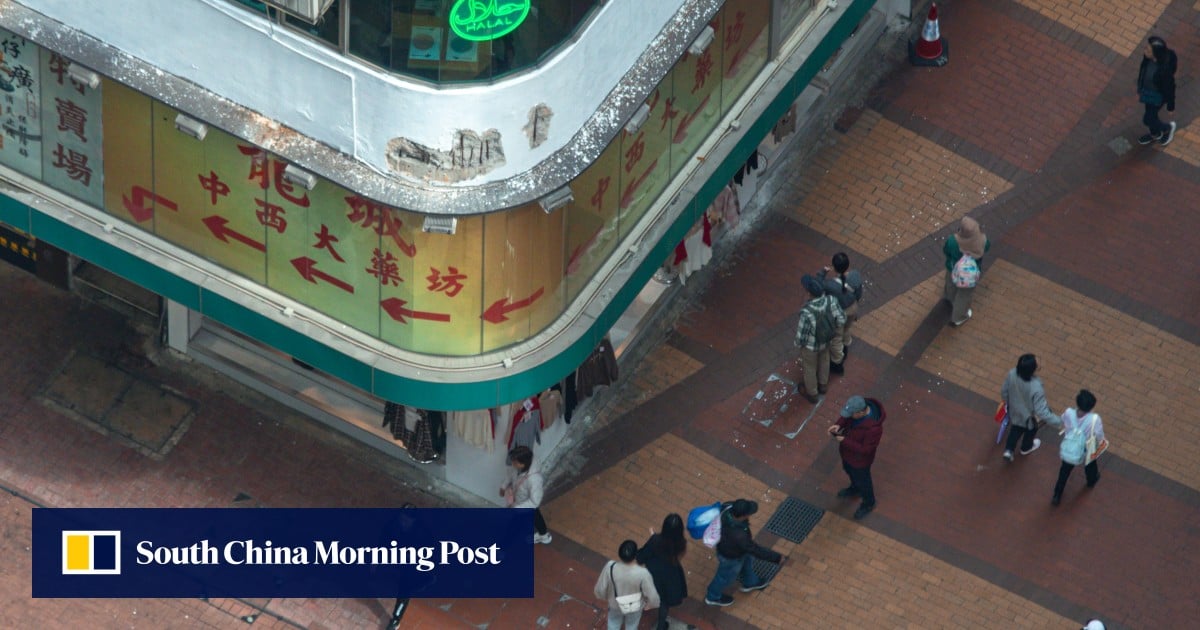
(1155, 88)
(968, 239)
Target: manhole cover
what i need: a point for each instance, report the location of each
(794, 519)
(770, 401)
(107, 399)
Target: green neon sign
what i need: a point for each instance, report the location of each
(485, 20)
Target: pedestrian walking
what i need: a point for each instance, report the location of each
(524, 490)
(858, 430)
(820, 318)
(734, 551)
(1027, 407)
(627, 587)
(662, 555)
(1155, 88)
(1079, 425)
(964, 252)
(847, 289)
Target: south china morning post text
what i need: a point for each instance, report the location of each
(334, 552)
(194, 552)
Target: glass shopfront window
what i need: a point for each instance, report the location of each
(500, 279)
(445, 40)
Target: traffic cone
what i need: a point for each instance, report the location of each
(930, 49)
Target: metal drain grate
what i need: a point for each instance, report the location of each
(794, 519)
(765, 570)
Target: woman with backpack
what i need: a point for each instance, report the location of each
(661, 555)
(964, 252)
(1079, 426)
(1155, 88)
(1027, 408)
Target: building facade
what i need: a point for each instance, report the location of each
(442, 204)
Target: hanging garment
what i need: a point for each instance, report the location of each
(570, 397)
(526, 425)
(419, 440)
(437, 429)
(699, 250)
(477, 428)
(393, 416)
(551, 402)
(600, 368)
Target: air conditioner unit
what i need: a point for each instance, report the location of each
(191, 126)
(308, 10)
(293, 174)
(638, 119)
(556, 199)
(702, 41)
(439, 225)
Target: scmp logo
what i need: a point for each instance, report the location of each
(91, 553)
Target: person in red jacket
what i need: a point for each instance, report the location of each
(858, 431)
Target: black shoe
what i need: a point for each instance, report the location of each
(848, 492)
(1092, 484)
(1148, 138)
(837, 368)
(751, 589)
(1055, 500)
(1168, 136)
(862, 511)
(726, 600)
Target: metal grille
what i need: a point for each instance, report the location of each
(794, 519)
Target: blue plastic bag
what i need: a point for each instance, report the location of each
(700, 517)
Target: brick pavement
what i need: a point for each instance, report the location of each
(1081, 238)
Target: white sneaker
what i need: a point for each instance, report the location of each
(1036, 444)
(1008, 456)
(542, 539)
(963, 320)
(1168, 136)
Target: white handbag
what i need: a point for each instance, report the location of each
(627, 603)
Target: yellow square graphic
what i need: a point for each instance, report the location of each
(79, 552)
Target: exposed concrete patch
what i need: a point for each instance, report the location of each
(471, 154)
(538, 127)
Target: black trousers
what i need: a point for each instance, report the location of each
(1025, 436)
(1152, 121)
(539, 522)
(860, 479)
(662, 623)
(1090, 471)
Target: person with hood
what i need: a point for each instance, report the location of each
(820, 318)
(622, 581)
(524, 489)
(858, 430)
(1155, 88)
(969, 239)
(734, 551)
(662, 556)
(1082, 418)
(847, 289)
(1027, 407)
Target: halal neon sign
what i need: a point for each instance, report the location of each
(484, 20)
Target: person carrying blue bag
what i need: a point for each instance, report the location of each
(734, 552)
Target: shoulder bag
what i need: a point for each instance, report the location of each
(627, 603)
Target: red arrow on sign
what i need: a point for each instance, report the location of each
(395, 308)
(497, 311)
(137, 207)
(216, 224)
(308, 270)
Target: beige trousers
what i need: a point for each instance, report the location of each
(841, 337)
(816, 369)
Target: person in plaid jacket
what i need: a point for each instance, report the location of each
(813, 336)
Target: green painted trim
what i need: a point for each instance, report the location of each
(414, 391)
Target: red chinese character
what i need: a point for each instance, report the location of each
(601, 188)
(635, 152)
(58, 66)
(733, 32)
(270, 215)
(382, 219)
(669, 113)
(385, 267)
(325, 240)
(76, 164)
(285, 188)
(704, 66)
(258, 164)
(214, 186)
(448, 282)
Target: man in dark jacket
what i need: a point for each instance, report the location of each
(734, 551)
(858, 431)
(1155, 88)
